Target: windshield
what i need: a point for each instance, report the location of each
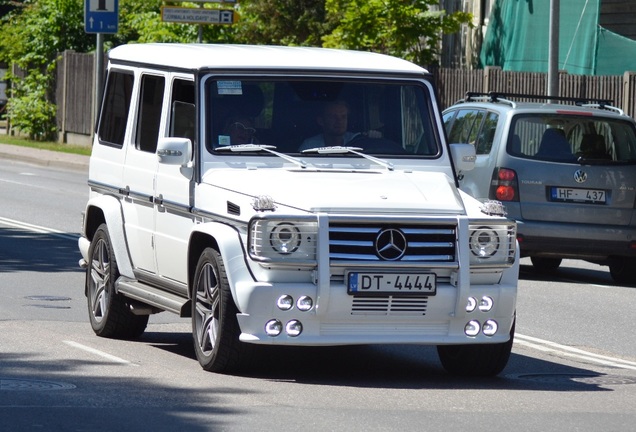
(301, 115)
(571, 138)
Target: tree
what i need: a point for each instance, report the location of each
(282, 22)
(410, 29)
(32, 35)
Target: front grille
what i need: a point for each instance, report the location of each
(368, 242)
(363, 305)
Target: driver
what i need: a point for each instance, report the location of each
(333, 119)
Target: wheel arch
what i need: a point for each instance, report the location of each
(226, 239)
(107, 209)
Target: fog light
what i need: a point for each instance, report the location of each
(471, 305)
(294, 328)
(285, 302)
(273, 327)
(485, 304)
(304, 303)
(490, 327)
(472, 328)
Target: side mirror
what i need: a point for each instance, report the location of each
(464, 157)
(174, 151)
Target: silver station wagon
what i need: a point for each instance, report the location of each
(566, 172)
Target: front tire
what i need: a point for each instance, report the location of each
(109, 312)
(623, 270)
(215, 328)
(476, 360)
(545, 265)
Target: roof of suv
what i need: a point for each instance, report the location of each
(209, 56)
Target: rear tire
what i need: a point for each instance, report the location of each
(476, 360)
(623, 270)
(545, 265)
(109, 312)
(215, 328)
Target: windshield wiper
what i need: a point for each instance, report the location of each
(241, 148)
(600, 161)
(354, 150)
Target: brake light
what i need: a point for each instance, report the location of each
(504, 186)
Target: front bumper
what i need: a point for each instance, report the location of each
(349, 320)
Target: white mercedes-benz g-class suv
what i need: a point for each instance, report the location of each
(290, 196)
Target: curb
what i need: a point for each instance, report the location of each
(44, 157)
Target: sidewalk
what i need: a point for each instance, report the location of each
(44, 157)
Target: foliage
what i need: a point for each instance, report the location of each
(282, 22)
(29, 108)
(408, 29)
(141, 22)
(32, 36)
(35, 31)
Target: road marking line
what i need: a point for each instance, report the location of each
(549, 346)
(110, 357)
(37, 228)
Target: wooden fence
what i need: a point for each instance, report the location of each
(76, 110)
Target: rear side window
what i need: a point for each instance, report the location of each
(571, 138)
(486, 135)
(114, 115)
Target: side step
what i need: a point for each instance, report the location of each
(153, 296)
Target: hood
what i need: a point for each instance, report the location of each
(340, 191)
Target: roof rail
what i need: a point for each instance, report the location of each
(487, 97)
(603, 106)
(503, 97)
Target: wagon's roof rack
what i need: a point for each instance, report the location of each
(504, 97)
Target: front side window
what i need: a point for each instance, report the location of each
(149, 115)
(571, 138)
(465, 126)
(116, 104)
(298, 115)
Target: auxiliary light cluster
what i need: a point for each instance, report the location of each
(293, 328)
(474, 327)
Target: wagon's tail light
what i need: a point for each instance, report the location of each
(504, 185)
(283, 240)
(492, 244)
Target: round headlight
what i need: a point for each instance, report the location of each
(304, 303)
(472, 328)
(273, 327)
(490, 327)
(471, 305)
(294, 328)
(285, 302)
(485, 304)
(484, 242)
(285, 238)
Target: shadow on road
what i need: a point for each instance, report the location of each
(390, 367)
(598, 275)
(22, 250)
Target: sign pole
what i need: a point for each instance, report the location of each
(99, 73)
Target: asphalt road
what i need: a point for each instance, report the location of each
(573, 365)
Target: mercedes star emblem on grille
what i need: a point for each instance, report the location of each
(390, 244)
(580, 176)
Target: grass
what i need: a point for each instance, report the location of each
(53, 146)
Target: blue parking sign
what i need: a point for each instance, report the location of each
(101, 16)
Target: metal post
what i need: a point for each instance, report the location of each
(553, 52)
(99, 74)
